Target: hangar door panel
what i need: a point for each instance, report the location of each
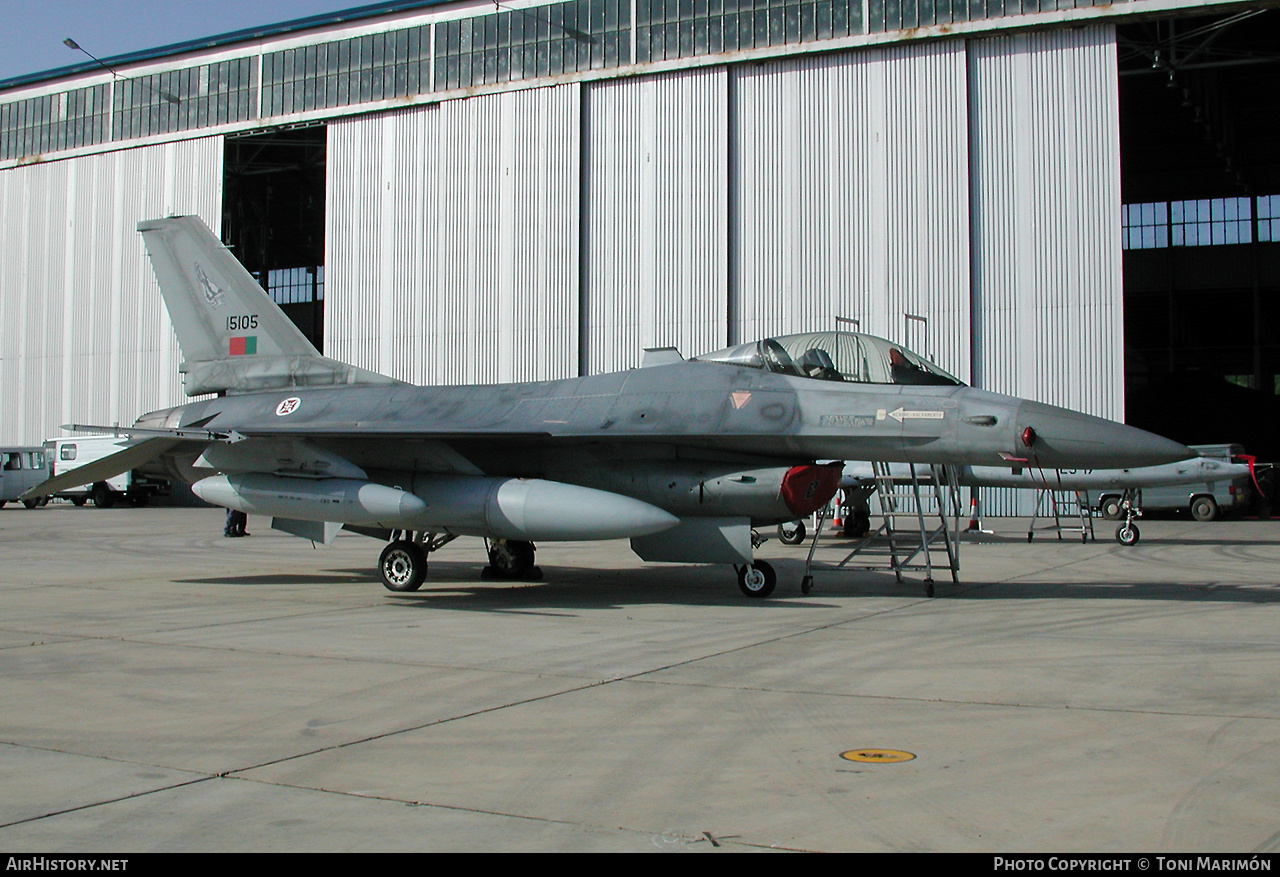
(1047, 275)
(84, 330)
(1046, 218)
(452, 239)
(852, 198)
(656, 173)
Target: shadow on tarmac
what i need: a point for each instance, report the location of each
(458, 586)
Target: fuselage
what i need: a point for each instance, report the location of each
(593, 431)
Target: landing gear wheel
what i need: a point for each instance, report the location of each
(1128, 534)
(403, 566)
(757, 580)
(31, 503)
(79, 501)
(791, 533)
(1204, 509)
(806, 584)
(512, 559)
(1110, 508)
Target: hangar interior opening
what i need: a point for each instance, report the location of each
(273, 217)
(1200, 180)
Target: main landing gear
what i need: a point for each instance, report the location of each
(511, 559)
(403, 563)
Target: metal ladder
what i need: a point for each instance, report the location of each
(1062, 503)
(907, 539)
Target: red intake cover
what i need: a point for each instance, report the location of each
(805, 489)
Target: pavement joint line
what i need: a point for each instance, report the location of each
(525, 701)
(208, 626)
(548, 820)
(116, 800)
(951, 702)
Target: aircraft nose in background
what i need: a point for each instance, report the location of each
(1061, 438)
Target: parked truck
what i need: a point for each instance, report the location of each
(132, 487)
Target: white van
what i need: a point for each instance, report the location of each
(72, 453)
(21, 469)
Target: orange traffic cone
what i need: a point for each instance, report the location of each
(974, 526)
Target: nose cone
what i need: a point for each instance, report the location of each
(1065, 439)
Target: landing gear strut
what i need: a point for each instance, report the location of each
(403, 563)
(1127, 533)
(511, 559)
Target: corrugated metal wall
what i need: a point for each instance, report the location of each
(452, 239)
(853, 199)
(1047, 274)
(84, 334)
(553, 231)
(1046, 220)
(656, 176)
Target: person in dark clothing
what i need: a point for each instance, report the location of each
(236, 522)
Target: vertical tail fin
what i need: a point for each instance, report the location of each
(233, 336)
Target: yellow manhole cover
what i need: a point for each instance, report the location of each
(880, 756)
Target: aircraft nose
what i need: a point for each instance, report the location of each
(1062, 439)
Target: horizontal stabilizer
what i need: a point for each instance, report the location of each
(107, 467)
(233, 336)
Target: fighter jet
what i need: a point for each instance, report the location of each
(1197, 470)
(684, 457)
(1122, 487)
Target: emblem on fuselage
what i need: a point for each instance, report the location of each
(288, 406)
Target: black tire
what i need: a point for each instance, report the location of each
(3, 503)
(103, 496)
(791, 533)
(403, 566)
(79, 501)
(757, 580)
(511, 558)
(32, 503)
(1109, 508)
(1203, 508)
(1128, 534)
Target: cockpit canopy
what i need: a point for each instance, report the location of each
(835, 356)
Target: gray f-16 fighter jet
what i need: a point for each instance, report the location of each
(682, 457)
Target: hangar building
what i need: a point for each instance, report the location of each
(1073, 202)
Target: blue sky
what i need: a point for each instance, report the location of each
(33, 30)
